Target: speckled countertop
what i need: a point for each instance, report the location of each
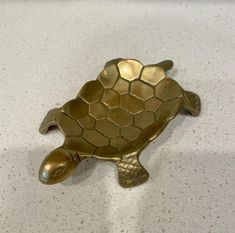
(49, 49)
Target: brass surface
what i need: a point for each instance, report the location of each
(114, 118)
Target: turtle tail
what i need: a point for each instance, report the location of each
(48, 121)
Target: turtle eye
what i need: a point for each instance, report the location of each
(59, 171)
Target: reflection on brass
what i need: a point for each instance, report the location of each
(114, 118)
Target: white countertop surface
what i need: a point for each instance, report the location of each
(48, 49)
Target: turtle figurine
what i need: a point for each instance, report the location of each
(114, 118)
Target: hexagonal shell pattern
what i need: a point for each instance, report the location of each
(114, 114)
(144, 119)
(122, 86)
(130, 69)
(141, 90)
(92, 91)
(152, 104)
(107, 128)
(152, 74)
(118, 142)
(98, 110)
(79, 144)
(67, 124)
(168, 89)
(95, 138)
(120, 117)
(109, 76)
(168, 110)
(111, 98)
(87, 122)
(130, 132)
(76, 108)
(131, 104)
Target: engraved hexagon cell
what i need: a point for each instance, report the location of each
(152, 74)
(107, 128)
(95, 138)
(131, 104)
(141, 90)
(118, 142)
(67, 124)
(168, 110)
(98, 110)
(122, 86)
(87, 122)
(168, 89)
(79, 144)
(111, 98)
(120, 117)
(130, 132)
(144, 119)
(109, 76)
(76, 108)
(92, 91)
(130, 69)
(152, 104)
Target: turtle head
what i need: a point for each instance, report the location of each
(57, 166)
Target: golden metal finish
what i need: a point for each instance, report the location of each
(114, 118)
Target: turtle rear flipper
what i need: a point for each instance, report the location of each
(192, 103)
(130, 172)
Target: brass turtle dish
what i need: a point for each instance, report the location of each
(114, 118)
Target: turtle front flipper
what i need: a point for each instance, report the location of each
(130, 172)
(48, 121)
(192, 103)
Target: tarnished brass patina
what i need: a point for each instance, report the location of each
(114, 118)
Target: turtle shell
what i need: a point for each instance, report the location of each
(121, 111)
